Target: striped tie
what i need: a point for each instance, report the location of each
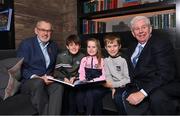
(135, 59)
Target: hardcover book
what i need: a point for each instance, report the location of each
(77, 82)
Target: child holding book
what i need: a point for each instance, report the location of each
(89, 97)
(71, 56)
(116, 70)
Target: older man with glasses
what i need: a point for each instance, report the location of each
(39, 54)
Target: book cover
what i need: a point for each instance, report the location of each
(77, 82)
(5, 20)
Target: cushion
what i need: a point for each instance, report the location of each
(9, 76)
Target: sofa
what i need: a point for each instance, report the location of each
(20, 104)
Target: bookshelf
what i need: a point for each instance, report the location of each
(97, 18)
(7, 40)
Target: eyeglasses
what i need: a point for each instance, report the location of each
(45, 30)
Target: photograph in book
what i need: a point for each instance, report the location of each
(77, 82)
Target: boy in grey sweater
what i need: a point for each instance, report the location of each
(116, 70)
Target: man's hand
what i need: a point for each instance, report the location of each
(135, 98)
(46, 80)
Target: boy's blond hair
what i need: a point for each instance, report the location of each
(111, 39)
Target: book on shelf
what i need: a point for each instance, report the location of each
(89, 27)
(149, 1)
(127, 3)
(163, 21)
(77, 82)
(100, 5)
(63, 65)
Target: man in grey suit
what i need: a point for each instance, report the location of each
(39, 54)
(151, 66)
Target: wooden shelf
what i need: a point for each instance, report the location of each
(124, 14)
(143, 8)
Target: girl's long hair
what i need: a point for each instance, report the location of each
(98, 54)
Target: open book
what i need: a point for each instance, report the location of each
(63, 65)
(76, 83)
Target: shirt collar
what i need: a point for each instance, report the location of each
(117, 55)
(139, 44)
(41, 43)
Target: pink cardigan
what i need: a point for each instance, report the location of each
(86, 62)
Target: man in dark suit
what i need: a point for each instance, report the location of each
(151, 67)
(39, 54)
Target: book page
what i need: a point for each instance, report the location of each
(60, 81)
(76, 83)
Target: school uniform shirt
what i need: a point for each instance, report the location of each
(67, 58)
(91, 62)
(116, 71)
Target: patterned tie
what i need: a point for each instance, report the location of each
(135, 59)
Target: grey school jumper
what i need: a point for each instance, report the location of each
(116, 71)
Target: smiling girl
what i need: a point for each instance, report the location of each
(91, 69)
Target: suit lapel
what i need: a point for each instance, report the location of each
(131, 51)
(144, 53)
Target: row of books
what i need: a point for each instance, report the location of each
(161, 21)
(100, 5)
(90, 27)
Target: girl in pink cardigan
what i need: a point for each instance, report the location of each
(89, 97)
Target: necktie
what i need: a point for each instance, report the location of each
(135, 59)
(46, 55)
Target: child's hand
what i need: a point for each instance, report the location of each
(66, 80)
(72, 80)
(108, 84)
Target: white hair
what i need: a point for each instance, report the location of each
(137, 18)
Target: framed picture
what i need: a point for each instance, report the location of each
(5, 20)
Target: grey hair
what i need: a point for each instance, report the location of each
(46, 21)
(137, 18)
